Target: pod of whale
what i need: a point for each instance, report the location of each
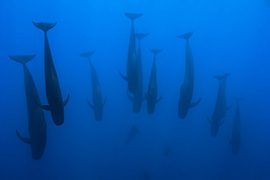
(37, 126)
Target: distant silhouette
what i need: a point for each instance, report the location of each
(187, 87)
(134, 130)
(146, 175)
(221, 105)
(98, 104)
(167, 149)
(151, 95)
(236, 131)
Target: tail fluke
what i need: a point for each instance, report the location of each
(227, 74)
(22, 59)
(133, 16)
(219, 77)
(44, 25)
(87, 54)
(237, 99)
(139, 36)
(186, 36)
(155, 51)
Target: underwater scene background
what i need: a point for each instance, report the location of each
(228, 37)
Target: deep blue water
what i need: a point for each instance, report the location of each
(229, 36)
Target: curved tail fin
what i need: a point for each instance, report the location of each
(87, 54)
(219, 77)
(133, 16)
(22, 59)
(186, 36)
(44, 25)
(227, 74)
(155, 51)
(139, 36)
(237, 99)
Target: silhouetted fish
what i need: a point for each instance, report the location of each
(98, 104)
(221, 105)
(134, 130)
(236, 131)
(151, 95)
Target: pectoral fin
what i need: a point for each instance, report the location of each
(66, 101)
(23, 139)
(209, 120)
(104, 101)
(130, 97)
(195, 103)
(90, 105)
(145, 96)
(228, 108)
(45, 107)
(158, 99)
(230, 141)
(123, 76)
(221, 122)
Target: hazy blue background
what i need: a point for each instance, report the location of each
(229, 36)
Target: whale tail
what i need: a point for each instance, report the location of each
(87, 54)
(22, 59)
(237, 99)
(139, 36)
(44, 26)
(186, 36)
(227, 74)
(219, 77)
(133, 16)
(155, 51)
